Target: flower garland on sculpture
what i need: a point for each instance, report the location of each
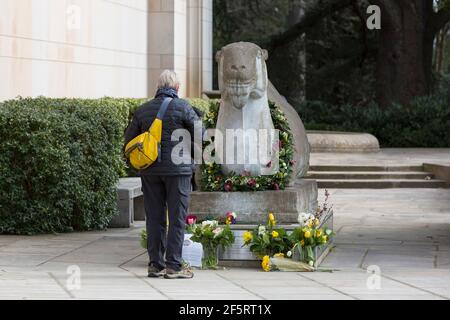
(214, 180)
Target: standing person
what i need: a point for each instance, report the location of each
(166, 185)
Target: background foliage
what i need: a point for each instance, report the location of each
(425, 123)
(334, 86)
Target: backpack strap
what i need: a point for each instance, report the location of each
(163, 108)
(160, 116)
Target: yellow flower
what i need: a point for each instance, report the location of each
(309, 224)
(228, 222)
(318, 233)
(324, 239)
(317, 222)
(248, 236)
(275, 234)
(279, 255)
(265, 264)
(272, 219)
(307, 234)
(302, 243)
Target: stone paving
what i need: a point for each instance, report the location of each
(403, 232)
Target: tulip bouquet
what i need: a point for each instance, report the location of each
(211, 235)
(307, 237)
(267, 240)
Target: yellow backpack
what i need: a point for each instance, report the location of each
(145, 149)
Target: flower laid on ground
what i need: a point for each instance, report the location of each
(211, 235)
(267, 240)
(265, 264)
(307, 237)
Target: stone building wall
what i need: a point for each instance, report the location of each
(95, 48)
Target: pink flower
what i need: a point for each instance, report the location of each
(191, 219)
(251, 183)
(228, 187)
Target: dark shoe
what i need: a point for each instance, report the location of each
(184, 273)
(154, 272)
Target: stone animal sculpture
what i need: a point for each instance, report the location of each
(244, 106)
(244, 84)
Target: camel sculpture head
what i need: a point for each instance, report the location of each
(242, 73)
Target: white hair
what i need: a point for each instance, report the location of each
(168, 79)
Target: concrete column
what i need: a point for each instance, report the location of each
(180, 32)
(200, 55)
(167, 35)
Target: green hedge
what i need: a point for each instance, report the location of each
(59, 163)
(426, 123)
(60, 160)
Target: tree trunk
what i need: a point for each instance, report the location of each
(440, 47)
(404, 66)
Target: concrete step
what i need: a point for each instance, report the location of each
(352, 168)
(371, 175)
(379, 183)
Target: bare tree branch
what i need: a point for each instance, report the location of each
(312, 16)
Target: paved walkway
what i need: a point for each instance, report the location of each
(403, 232)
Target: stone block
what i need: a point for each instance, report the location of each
(128, 191)
(253, 207)
(345, 142)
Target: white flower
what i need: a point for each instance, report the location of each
(234, 215)
(261, 230)
(289, 254)
(217, 232)
(303, 218)
(311, 263)
(209, 223)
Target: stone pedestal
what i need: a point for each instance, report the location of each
(253, 207)
(345, 142)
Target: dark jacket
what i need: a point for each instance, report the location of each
(179, 115)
